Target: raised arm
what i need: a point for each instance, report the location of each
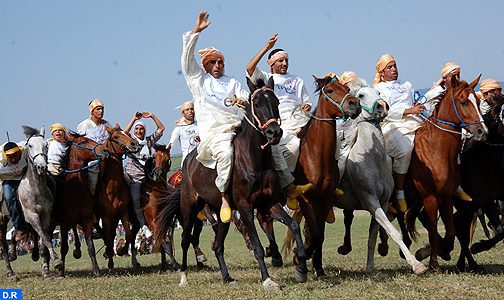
(160, 126)
(136, 116)
(190, 67)
(251, 66)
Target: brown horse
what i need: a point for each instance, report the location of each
(317, 163)
(74, 201)
(482, 172)
(434, 174)
(113, 196)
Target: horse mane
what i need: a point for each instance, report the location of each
(461, 86)
(29, 131)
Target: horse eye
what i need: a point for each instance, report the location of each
(464, 103)
(361, 96)
(330, 91)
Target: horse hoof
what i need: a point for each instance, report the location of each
(369, 270)
(276, 262)
(382, 249)
(300, 276)
(435, 269)
(58, 264)
(419, 268)
(183, 279)
(445, 256)
(136, 265)
(423, 253)
(320, 273)
(271, 286)
(344, 250)
(77, 253)
(11, 276)
(230, 281)
(35, 255)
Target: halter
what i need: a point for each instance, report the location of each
(373, 106)
(97, 159)
(113, 140)
(462, 123)
(32, 159)
(338, 105)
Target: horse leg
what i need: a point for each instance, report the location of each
(266, 224)
(347, 241)
(46, 240)
(463, 224)
(77, 253)
(168, 246)
(35, 254)
(404, 231)
(130, 238)
(279, 214)
(108, 239)
(88, 235)
(448, 242)
(221, 233)
(383, 245)
(247, 215)
(373, 235)
(241, 228)
(64, 248)
(381, 218)
(200, 256)
(11, 275)
(316, 230)
(430, 210)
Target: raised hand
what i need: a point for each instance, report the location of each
(271, 42)
(202, 22)
(146, 114)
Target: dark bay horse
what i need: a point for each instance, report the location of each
(317, 163)
(113, 196)
(75, 203)
(254, 184)
(482, 171)
(434, 173)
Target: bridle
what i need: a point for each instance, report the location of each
(335, 103)
(97, 159)
(32, 158)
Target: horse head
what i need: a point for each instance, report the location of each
(373, 106)
(262, 110)
(87, 149)
(459, 107)
(36, 147)
(339, 102)
(158, 166)
(121, 142)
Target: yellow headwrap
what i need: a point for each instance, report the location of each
(450, 68)
(56, 126)
(381, 63)
(94, 104)
(489, 84)
(210, 53)
(10, 151)
(347, 77)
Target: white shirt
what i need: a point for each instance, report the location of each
(210, 93)
(185, 135)
(97, 133)
(9, 171)
(56, 152)
(291, 93)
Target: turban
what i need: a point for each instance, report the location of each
(450, 68)
(11, 148)
(57, 126)
(489, 84)
(347, 77)
(277, 56)
(210, 53)
(94, 104)
(381, 63)
(186, 105)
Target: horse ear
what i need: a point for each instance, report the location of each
(318, 81)
(251, 85)
(117, 125)
(42, 131)
(271, 83)
(474, 83)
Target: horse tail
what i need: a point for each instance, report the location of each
(411, 215)
(167, 207)
(289, 240)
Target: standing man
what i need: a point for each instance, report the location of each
(294, 103)
(400, 124)
(210, 88)
(186, 132)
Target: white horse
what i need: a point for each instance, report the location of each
(367, 179)
(35, 197)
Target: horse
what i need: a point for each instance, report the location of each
(434, 174)
(317, 163)
(482, 172)
(74, 201)
(113, 196)
(367, 179)
(35, 196)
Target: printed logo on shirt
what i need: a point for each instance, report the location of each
(289, 86)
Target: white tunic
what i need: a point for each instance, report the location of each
(9, 171)
(209, 95)
(185, 134)
(56, 152)
(291, 93)
(97, 133)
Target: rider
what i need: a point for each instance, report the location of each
(400, 124)
(489, 88)
(186, 132)
(57, 149)
(134, 168)
(293, 107)
(12, 167)
(210, 88)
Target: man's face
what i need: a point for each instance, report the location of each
(488, 95)
(280, 66)
(14, 158)
(390, 73)
(139, 132)
(215, 67)
(188, 113)
(58, 135)
(98, 112)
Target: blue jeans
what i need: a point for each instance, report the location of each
(9, 195)
(136, 197)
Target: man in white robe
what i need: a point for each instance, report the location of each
(294, 103)
(489, 88)
(211, 88)
(186, 132)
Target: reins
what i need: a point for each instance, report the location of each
(97, 161)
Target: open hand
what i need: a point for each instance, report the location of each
(201, 22)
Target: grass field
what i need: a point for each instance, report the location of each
(345, 276)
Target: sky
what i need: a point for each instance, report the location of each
(57, 55)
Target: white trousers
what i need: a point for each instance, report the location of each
(220, 148)
(399, 146)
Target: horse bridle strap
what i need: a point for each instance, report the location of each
(262, 126)
(462, 123)
(338, 105)
(97, 160)
(32, 159)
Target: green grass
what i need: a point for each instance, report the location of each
(345, 278)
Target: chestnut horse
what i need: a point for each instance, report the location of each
(317, 163)
(434, 173)
(74, 201)
(113, 196)
(482, 177)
